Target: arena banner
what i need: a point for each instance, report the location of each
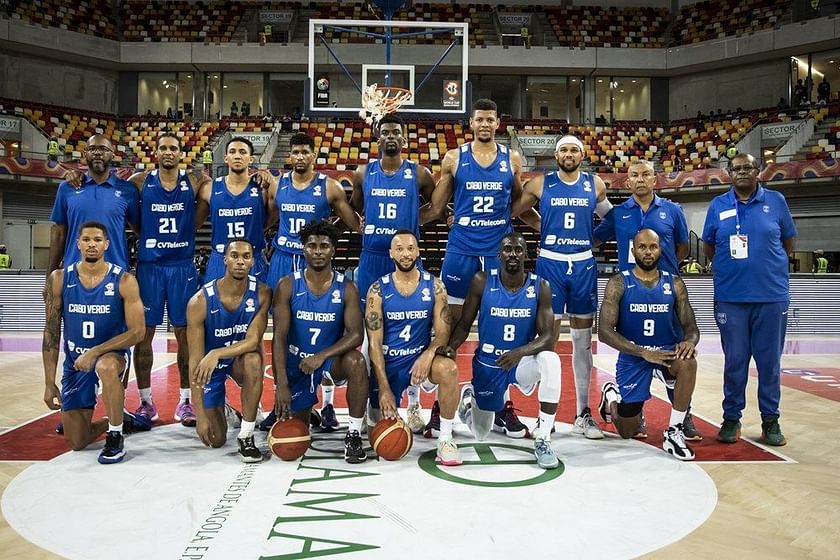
(10, 128)
(515, 19)
(258, 139)
(537, 145)
(275, 16)
(779, 131)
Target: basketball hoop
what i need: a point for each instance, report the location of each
(378, 101)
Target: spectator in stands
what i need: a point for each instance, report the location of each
(731, 151)
(246, 109)
(525, 34)
(823, 91)
(601, 119)
(297, 114)
(692, 266)
(5, 259)
(798, 94)
(699, 116)
(782, 104)
(820, 262)
(170, 114)
(234, 109)
(207, 160)
(52, 149)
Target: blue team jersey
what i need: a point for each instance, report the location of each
(482, 203)
(664, 217)
(233, 216)
(392, 203)
(223, 327)
(566, 211)
(297, 208)
(766, 222)
(506, 319)
(91, 316)
(408, 319)
(317, 321)
(113, 203)
(167, 220)
(647, 316)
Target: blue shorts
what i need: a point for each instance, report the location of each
(172, 285)
(216, 267)
(398, 372)
(490, 384)
(304, 388)
(458, 270)
(575, 293)
(214, 390)
(78, 388)
(282, 264)
(634, 374)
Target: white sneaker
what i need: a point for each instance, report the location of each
(465, 403)
(546, 458)
(232, 417)
(415, 420)
(586, 426)
(674, 443)
(448, 454)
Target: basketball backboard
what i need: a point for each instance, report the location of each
(429, 59)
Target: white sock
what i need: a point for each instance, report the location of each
(545, 425)
(582, 365)
(246, 429)
(677, 417)
(114, 428)
(185, 395)
(327, 394)
(446, 428)
(355, 424)
(507, 394)
(146, 394)
(413, 394)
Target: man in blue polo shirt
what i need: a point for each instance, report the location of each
(646, 210)
(102, 197)
(749, 234)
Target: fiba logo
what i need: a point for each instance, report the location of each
(452, 88)
(323, 84)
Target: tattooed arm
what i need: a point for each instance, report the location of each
(53, 294)
(375, 331)
(691, 334)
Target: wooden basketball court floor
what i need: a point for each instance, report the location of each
(772, 503)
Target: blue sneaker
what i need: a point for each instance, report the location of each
(135, 423)
(113, 452)
(269, 421)
(546, 458)
(465, 402)
(329, 422)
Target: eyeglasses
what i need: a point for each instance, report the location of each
(98, 149)
(745, 168)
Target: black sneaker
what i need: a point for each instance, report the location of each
(314, 418)
(730, 431)
(248, 452)
(771, 432)
(354, 451)
(508, 422)
(432, 429)
(690, 431)
(329, 422)
(113, 452)
(269, 421)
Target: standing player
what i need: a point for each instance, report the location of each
(317, 327)
(568, 197)
(646, 210)
(226, 321)
(515, 345)
(641, 310)
(402, 309)
(102, 196)
(387, 193)
(237, 205)
(103, 317)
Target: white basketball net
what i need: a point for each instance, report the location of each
(378, 102)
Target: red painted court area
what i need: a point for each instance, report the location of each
(37, 440)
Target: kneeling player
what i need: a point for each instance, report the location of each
(402, 308)
(647, 317)
(515, 345)
(317, 326)
(226, 320)
(103, 317)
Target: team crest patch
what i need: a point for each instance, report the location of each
(662, 215)
(427, 295)
(336, 296)
(254, 191)
(71, 345)
(293, 350)
(721, 318)
(249, 304)
(408, 174)
(118, 194)
(530, 292)
(184, 186)
(316, 191)
(666, 289)
(765, 209)
(109, 289)
(587, 186)
(503, 166)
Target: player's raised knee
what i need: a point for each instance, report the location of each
(109, 367)
(252, 363)
(75, 442)
(353, 362)
(444, 369)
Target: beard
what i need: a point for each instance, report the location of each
(405, 269)
(97, 166)
(647, 267)
(513, 267)
(569, 167)
(91, 259)
(169, 165)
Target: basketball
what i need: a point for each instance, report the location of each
(289, 439)
(391, 439)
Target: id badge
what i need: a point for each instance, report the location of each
(738, 246)
(630, 258)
